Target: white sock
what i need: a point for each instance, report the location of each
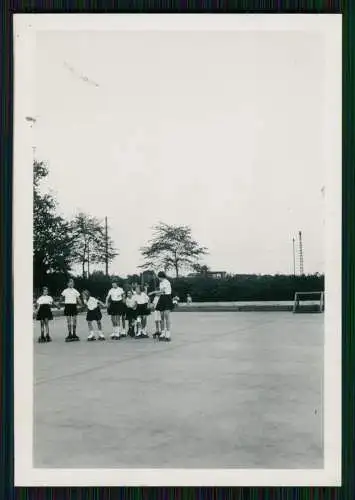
(101, 334)
(167, 334)
(91, 334)
(163, 332)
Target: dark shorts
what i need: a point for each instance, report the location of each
(94, 315)
(165, 303)
(130, 314)
(70, 310)
(44, 312)
(142, 310)
(116, 308)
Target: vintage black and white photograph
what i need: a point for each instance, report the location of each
(178, 181)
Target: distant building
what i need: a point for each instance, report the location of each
(218, 275)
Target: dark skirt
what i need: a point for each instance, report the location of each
(44, 312)
(94, 315)
(165, 303)
(116, 308)
(130, 314)
(142, 310)
(70, 310)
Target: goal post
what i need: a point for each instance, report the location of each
(308, 302)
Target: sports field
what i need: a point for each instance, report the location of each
(235, 389)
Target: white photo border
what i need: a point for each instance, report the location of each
(25, 28)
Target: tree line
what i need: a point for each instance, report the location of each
(201, 288)
(247, 287)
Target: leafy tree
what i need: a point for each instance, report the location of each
(89, 242)
(172, 247)
(51, 233)
(201, 269)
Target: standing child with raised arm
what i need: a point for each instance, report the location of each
(164, 305)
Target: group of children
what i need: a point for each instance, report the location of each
(128, 311)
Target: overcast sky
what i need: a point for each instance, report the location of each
(222, 131)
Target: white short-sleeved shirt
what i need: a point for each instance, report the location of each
(165, 287)
(92, 303)
(141, 298)
(45, 299)
(70, 295)
(131, 302)
(115, 294)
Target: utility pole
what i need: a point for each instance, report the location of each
(106, 246)
(294, 256)
(301, 252)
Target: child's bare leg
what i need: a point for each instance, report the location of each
(123, 323)
(139, 325)
(168, 320)
(163, 325)
(42, 328)
(74, 325)
(166, 324)
(114, 319)
(91, 331)
(99, 328)
(46, 324)
(69, 325)
(132, 325)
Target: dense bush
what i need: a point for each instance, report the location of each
(204, 289)
(247, 288)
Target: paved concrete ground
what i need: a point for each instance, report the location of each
(269, 306)
(231, 390)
